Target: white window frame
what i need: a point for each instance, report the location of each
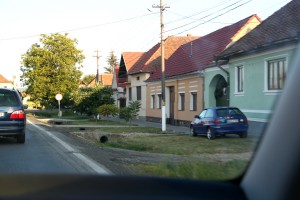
(180, 101)
(191, 100)
(158, 102)
(152, 105)
(237, 83)
(267, 60)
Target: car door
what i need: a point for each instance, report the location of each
(198, 122)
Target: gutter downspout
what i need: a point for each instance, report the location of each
(228, 78)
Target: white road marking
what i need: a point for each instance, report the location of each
(91, 163)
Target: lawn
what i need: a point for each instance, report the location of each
(217, 162)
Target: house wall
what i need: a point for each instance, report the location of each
(255, 101)
(250, 25)
(210, 84)
(6, 85)
(133, 82)
(181, 85)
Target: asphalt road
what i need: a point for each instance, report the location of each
(47, 151)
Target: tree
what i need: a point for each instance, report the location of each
(99, 96)
(88, 78)
(112, 62)
(52, 66)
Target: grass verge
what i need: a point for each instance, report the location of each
(181, 144)
(195, 170)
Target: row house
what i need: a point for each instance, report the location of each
(257, 66)
(186, 58)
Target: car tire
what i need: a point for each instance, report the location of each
(210, 135)
(243, 134)
(192, 131)
(21, 138)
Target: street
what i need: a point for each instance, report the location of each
(46, 151)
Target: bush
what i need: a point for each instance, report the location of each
(108, 110)
(126, 113)
(130, 112)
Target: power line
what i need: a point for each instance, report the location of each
(81, 28)
(210, 15)
(197, 13)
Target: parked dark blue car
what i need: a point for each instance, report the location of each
(220, 121)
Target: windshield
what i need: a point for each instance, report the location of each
(113, 87)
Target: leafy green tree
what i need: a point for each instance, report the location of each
(99, 96)
(50, 67)
(112, 62)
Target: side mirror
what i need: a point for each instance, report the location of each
(197, 116)
(25, 106)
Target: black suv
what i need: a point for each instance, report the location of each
(12, 115)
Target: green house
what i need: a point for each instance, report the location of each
(251, 73)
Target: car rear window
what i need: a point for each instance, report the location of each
(225, 112)
(8, 99)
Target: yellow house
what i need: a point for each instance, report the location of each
(184, 79)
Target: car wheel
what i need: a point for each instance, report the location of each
(210, 135)
(21, 138)
(243, 135)
(192, 131)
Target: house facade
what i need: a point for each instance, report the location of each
(149, 63)
(257, 65)
(120, 77)
(4, 83)
(185, 81)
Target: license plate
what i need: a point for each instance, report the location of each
(232, 120)
(1, 114)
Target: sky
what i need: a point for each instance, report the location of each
(114, 25)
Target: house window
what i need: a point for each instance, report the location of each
(138, 78)
(152, 101)
(158, 103)
(193, 101)
(181, 99)
(138, 93)
(240, 79)
(130, 94)
(276, 73)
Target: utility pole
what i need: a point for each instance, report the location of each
(162, 8)
(97, 57)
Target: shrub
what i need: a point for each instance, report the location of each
(130, 112)
(125, 113)
(108, 110)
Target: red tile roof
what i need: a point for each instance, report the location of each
(150, 60)
(281, 27)
(130, 58)
(105, 79)
(196, 55)
(3, 79)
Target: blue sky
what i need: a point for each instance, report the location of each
(118, 25)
